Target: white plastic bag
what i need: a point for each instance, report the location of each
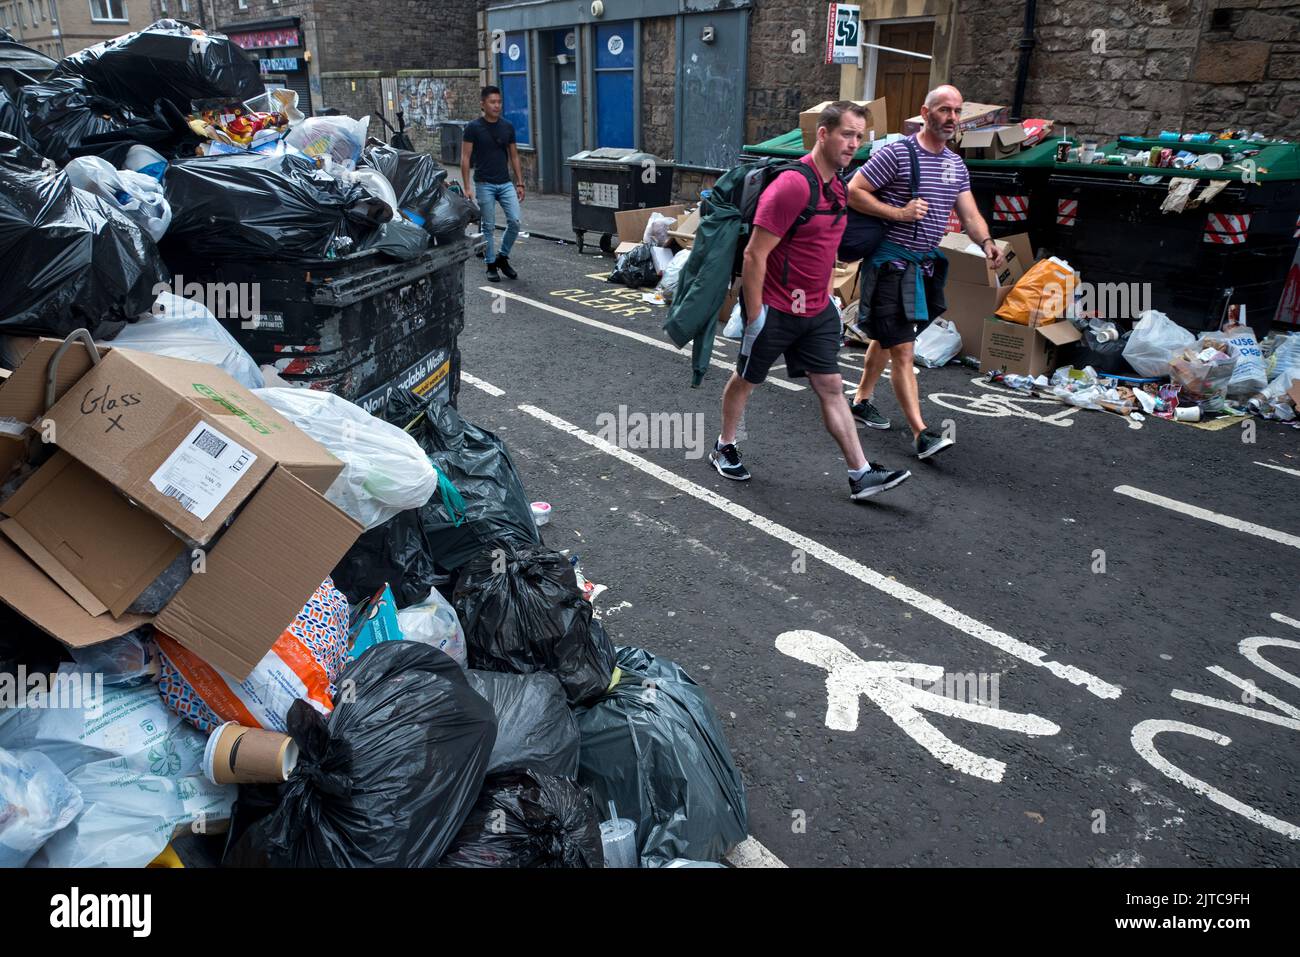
(384, 470)
(656, 229)
(137, 765)
(735, 328)
(185, 329)
(1248, 376)
(36, 800)
(377, 183)
(137, 196)
(1155, 340)
(338, 138)
(938, 344)
(433, 622)
(673, 272)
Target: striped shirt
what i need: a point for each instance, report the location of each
(943, 176)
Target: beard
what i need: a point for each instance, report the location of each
(935, 126)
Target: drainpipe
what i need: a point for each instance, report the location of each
(1026, 50)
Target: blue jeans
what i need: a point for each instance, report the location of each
(487, 196)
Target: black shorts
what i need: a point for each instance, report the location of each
(809, 344)
(887, 322)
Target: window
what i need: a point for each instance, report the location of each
(114, 10)
(512, 70)
(243, 4)
(615, 60)
(34, 8)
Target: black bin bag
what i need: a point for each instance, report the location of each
(535, 727)
(478, 464)
(527, 819)
(63, 113)
(69, 260)
(396, 553)
(654, 746)
(522, 612)
(387, 779)
(416, 178)
(281, 207)
(169, 59)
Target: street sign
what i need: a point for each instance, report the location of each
(568, 87)
(843, 33)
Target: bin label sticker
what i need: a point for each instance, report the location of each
(598, 194)
(429, 376)
(202, 470)
(615, 45)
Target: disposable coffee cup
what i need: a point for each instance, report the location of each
(1188, 413)
(618, 838)
(239, 755)
(541, 512)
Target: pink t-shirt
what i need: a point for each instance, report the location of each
(810, 252)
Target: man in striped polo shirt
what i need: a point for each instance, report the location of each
(903, 283)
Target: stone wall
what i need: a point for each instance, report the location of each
(658, 85)
(1107, 67)
(787, 72)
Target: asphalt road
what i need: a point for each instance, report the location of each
(1090, 615)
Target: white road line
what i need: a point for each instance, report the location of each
(1285, 619)
(750, 853)
(627, 333)
(478, 383)
(1279, 468)
(868, 576)
(1195, 511)
(1144, 737)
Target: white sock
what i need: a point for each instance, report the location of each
(721, 444)
(856, 474)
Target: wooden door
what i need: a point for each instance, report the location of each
(903, 80)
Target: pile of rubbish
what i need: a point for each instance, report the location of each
(446, 672)
(246, 624)
(162, 146)
(1172, 373)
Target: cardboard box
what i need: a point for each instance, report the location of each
(844, 282)
(877, 120)
(974, 291)
(124, 428)
(683, 231)
(973, 116)
(992, 142)
(730, 302)
(1026, 350)
(630, 224)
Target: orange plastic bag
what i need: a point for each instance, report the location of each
(1040, 295)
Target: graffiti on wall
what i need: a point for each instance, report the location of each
(424, 100)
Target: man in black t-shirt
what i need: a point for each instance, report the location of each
(489, 146)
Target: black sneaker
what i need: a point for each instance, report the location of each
(875, 481)
(868, 415)
(727, 461)
(503, 264)
(493, 275)
(928, 443)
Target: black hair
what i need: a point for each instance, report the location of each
(488, 91)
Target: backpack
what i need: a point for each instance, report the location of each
(864, 234)
(758, 178)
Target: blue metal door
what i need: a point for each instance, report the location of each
(615, 66)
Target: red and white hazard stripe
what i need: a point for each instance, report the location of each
(1228, 229)
(1066, 211)
(954, 221)
(1010, 209)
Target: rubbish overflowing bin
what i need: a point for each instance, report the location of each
(359, 326)
(608, 180)
(1235, 248)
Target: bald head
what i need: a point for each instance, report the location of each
(941, 112)
(939, 93)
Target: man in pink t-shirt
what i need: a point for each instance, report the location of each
(787, 305)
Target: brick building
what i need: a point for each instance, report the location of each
(59, 27)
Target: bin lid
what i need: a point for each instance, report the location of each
(616, 156)
(1274, 161)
